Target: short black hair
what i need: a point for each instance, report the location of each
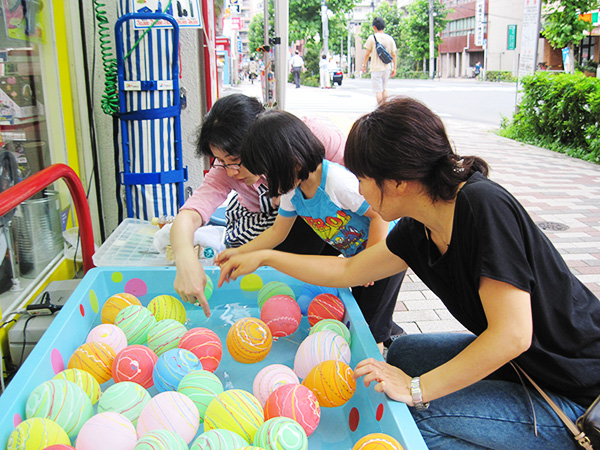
(226, 124)
(282, 148)
(379, 23)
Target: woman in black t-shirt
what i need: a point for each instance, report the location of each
(473, 244)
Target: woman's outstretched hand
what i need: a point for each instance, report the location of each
(190, 281)
(390, 380)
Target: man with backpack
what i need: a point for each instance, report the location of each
(381, 70)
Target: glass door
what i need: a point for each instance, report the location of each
(32, 136)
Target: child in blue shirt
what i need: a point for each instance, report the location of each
(326, 195)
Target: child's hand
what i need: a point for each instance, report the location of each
(225, 255)
(238, 265)
(369, 284)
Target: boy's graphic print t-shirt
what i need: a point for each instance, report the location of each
(336, 212)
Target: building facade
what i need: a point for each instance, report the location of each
(503, 26)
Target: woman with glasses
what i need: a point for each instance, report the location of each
(250, 210)
(474, 245)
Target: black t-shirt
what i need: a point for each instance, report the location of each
(494, 237)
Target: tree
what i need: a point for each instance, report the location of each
(417, 23)
(305, 18)
(562, 25)
(256, 32)
(394, 19)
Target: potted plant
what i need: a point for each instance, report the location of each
(589, 68)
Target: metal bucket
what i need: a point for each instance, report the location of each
(37, 233)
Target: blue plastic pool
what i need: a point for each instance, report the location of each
(339, 428)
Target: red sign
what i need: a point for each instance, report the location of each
(237, 23)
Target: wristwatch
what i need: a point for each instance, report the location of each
(417, 394)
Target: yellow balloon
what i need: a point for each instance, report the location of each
(36, 433)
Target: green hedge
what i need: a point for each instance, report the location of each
(495, 75)
(560, 112)
(412, 74)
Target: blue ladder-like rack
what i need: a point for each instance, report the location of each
(152, 173)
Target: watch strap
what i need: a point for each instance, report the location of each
(417, 394)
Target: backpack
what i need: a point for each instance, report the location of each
(385, 57)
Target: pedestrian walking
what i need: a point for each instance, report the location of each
(297, 66)
(477, 70)
(324, 80)
(380, 71)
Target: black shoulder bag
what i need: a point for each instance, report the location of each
(586, 431)
(385, 57)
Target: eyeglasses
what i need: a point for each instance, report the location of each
(226, 166)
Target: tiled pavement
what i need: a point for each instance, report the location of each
(554, 189)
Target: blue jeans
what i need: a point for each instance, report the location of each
(491, 414)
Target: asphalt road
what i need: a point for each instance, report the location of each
(463, 99)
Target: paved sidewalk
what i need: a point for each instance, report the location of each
(561, 194)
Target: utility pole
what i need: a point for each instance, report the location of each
(431, 40)
(325, 21)
(349, 69)
(282, 18)
(266, 55)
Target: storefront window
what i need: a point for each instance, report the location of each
(586, 50)
(31, 235)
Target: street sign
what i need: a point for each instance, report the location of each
(530, 36)
(479, 22)
(237, 23)
(511, 42)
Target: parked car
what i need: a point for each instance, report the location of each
(337, 76)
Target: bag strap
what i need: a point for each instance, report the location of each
(578, 434)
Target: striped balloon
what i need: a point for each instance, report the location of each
(377, 441)
(170, 411)
(332, 325)
(167, 307)
(36, 433)
(249, 340)
(274, 288)
(325, 306)
(62, 401)
(201, 386)
(94, 357)
(115, 304)
(135, 363)
(107, 430)
(281, 433)
(161, 440)
(165, 335)
(135, 321)
(125, 398)
(318, 347)
(332, 382)
(235, 410)
(218, 440)
(297, 402)
(84, 380)
(205, 344)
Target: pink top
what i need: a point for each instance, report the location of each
(217, 185)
